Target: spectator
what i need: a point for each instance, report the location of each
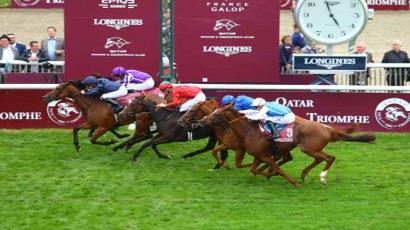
(20, 47)
(396, 76)
(133, 80)
(312, 49)
(298, 39)
(53, 45)
(34, 55)
(7, 53)
(192, 94)
(285, 54)
(361, 77)
(296, 50)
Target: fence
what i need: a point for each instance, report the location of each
(19, 66)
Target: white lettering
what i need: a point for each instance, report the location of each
(330, 61)
(295, 103)
(387, 2)
(338, 119)
(20, 116)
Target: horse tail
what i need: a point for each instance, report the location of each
(338, 135)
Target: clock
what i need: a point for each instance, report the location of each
(332, 22)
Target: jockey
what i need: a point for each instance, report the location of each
(241, 102)
(106, 89)
(133, 80)
(272, 112)
(193, 94)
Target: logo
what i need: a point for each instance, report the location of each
(227, 50)
(330, 63)
(118, 23)
(225, 23)
(63, 112)
(118, 4)
(228, 7)
(26, 3)
(117, 41)
(393, 113)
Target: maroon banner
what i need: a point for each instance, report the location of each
(388, 5)
(285, 4)
(26, 109)
(224, 40)
(381, 112)
(43, 4)
(103, 34)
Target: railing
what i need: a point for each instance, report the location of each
(19, 66)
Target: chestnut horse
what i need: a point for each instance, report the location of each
(311, 137)
(98, 114)
(168, 129)
(224, 133)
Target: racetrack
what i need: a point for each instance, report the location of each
(31, 24)
(46, 184)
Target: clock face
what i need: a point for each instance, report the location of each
(331, 21)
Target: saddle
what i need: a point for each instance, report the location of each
(285, 131)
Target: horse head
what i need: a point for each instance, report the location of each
(133, 108)
(215, 118)
(64, 90)
(197, 112)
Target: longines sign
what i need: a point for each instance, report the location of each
(329, 62)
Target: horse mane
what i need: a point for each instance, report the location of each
(154, 98)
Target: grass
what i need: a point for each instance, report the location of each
(45, 184)
(5, 3)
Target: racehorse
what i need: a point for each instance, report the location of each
(98, 114)
(311, 137)
(168, 129)
(224, 133)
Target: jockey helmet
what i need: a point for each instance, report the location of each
(165, 85)
(90, 80)
(118, 71)
(258, 102)
(227, 99)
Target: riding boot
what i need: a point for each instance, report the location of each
(275, 133)
(117, 107)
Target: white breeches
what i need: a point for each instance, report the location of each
(287, 119)
(148, 84)
(122, 91)
(193, 101)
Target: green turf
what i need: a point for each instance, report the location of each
(45, 184)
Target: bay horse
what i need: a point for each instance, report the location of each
(312, 137)
(224, 133)
(98, 114)
(168, 129)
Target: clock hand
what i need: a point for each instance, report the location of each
(331, 15)
(328, 7)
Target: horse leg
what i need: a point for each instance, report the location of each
(218, 159)
(120, 136)
(137, 137)
(239, 156)
(75, 134)
(319, 157)
(269, 161)
(159, 154)
(209, 146)
(158, 139)
(99, 132)
(90, 134)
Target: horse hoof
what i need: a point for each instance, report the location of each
(212, 170)
(133, 161)
(323, 181)
(268, 177)
(114, 149)
(296, 185)
(168, 157)
(78, 148)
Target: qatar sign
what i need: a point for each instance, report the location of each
(226, 40)
(103, 34)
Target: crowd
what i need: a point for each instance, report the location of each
(296, 43)
(48, 49)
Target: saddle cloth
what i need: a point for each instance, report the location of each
(285, 131)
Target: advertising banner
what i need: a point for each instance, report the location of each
(43, 4)
(226, 40)
(372, 4)
(103, 34)
(329, 62)
(380, 112)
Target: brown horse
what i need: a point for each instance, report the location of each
(224, 133)
(311, 137)
(98, 114)
(168, 129)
